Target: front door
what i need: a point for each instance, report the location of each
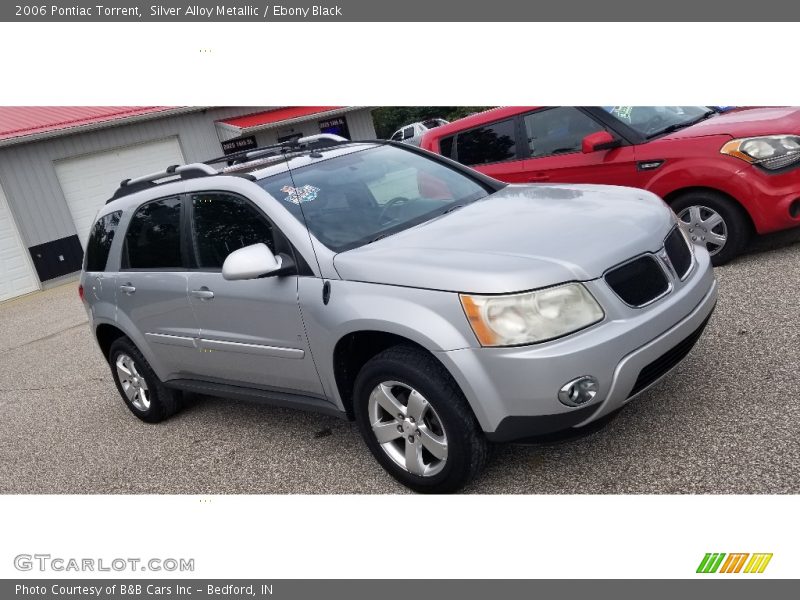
(554, 137)
(250, 332)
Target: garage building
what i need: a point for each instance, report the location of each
(58, 166)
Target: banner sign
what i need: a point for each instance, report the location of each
(371, 589)
(407, 11)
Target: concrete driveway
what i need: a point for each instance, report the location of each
(725, 422)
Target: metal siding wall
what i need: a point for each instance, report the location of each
(360, 124)
(32, 187)
(270, 136)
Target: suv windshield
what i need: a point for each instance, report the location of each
(350, 200)
(651, 121)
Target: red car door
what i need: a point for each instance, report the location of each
(554, 137)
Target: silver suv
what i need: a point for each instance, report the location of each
(439, 308)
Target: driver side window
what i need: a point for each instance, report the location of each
(223, 223)
(558, 130)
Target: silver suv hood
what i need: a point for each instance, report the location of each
(520, 238)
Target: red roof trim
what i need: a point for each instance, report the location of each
(274, 116)
(21, 121)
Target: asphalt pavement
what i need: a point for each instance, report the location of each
(727, 420)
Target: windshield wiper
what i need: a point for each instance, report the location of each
(380, 236)
(452, 208)
(677, 126)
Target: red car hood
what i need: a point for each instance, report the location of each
(745, 122)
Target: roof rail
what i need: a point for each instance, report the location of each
(237, 160)
(309, 142)
(174, 172)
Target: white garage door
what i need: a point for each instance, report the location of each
(16, 275)
(88, 181)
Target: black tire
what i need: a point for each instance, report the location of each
(467, 448)
(164, 402)
(736, 221)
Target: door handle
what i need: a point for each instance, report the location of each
(538, 177)
(203, 293)
(127, 289)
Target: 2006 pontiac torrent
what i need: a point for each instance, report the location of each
(439, 308)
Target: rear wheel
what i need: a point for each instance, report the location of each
(139, 386)
(715, 221)
(417, 423)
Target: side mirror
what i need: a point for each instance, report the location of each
(600, 140)
(253, 262)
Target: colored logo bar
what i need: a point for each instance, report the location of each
(737, 562)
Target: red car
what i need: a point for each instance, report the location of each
(726, 174)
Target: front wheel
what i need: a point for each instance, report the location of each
(715, 221)
(416, 421)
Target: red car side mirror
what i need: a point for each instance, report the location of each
(600, 140)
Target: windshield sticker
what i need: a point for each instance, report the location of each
(307, 193)
(623, 113)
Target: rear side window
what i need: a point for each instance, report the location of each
(224, 223)
(488, 144)
(446, 147)
(100, 240)
(153, 240)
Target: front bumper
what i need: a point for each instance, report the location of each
(513, 391)
(772, 198)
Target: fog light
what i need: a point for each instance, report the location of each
(578, 391)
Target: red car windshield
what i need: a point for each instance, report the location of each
(651, 121)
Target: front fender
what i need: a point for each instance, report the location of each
(710, 173)
(434, 320)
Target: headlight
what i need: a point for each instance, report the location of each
(769, 151)
(532, 316)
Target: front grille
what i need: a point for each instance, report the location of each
(639, 281)
(667, 361)
(679, 253)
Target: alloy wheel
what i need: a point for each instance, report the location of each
(133, 383)
(407, 428)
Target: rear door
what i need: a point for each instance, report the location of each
(99, 286)
(553, 146)
(251, 332)
(151, 286)
(491, 149)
